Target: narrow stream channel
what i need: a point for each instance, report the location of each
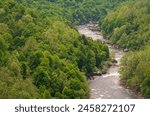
(108, 85)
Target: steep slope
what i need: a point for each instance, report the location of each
(41, 54)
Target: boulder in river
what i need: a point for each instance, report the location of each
(126, 50)
(97, 73)
(114, 61)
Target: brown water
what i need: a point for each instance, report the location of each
(108, 85)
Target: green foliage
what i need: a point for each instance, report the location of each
(12, 87)
(82, 11)
(135, 71)
(41, 53)
(128, 24)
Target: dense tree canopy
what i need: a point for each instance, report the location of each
(128, 25)
(135, 71)
(84, 11)
(41, 53)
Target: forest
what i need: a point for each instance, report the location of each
(41, 53)
(128, 26)
(43, 56)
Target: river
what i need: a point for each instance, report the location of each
(106, 86)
